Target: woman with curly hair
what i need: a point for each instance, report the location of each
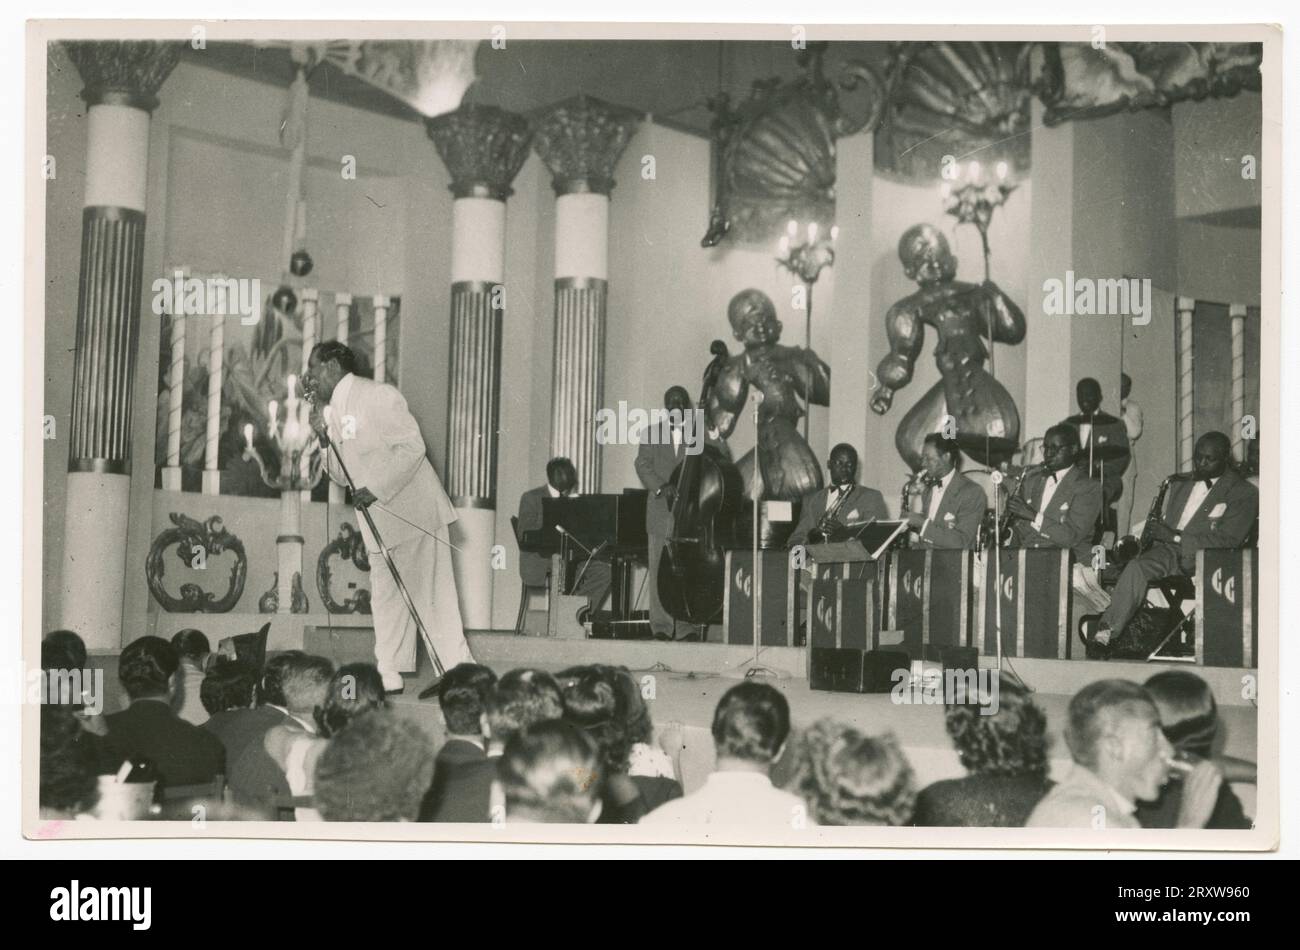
(848, 778)
(1005, 754)
(598, 701)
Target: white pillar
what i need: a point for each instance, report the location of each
(122, 81)
(216, 375)
(483, 148)
(381, 305)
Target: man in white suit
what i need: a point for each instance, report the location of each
(383, 450)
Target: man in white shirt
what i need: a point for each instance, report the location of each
(1121, 757)
(384, 452)
(1214, 508)
(750, 729)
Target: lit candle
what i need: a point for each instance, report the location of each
(792, 228)
(293, 381)
(812, 232)
(248, 435)
(835, 232)
(974, 171)
(783, 246)
(1002, 171)
(273, 412)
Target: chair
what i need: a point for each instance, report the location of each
(524, 589)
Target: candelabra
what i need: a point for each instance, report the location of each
(806, 260)
(294, 468)
(973, 200)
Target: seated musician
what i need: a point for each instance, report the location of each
(848, 503)
(1057, 507)
(534, 569)
(952, 505)
(1215, 508)
(1106, 437)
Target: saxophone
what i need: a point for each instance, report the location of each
(1129, 547)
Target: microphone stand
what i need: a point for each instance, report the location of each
(438, 670)
(756, 602)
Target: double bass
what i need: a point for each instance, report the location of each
(708, 497)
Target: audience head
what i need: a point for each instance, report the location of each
(939, 456)
(595, 704)
(523, 698)
(69, 784)
(1113, 730)
(550, 773)
(270, 692)
(146, 667)
(228, 685)
(306, 681)
(63, 650)
(463, 695)
(751, 725)
(1188, 714)
(848, 778)
(561, 475)
(377, 769)
(192, 647)
(356, 688)
(1011, 742)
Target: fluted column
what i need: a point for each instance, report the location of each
(581, 140)
(483, 148)
(122, 81)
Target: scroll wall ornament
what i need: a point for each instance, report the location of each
(349, 546)
(774, 153)
(1078, 81)
(954, 103)
(196, 542)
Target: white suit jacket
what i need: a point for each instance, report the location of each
(382, 447)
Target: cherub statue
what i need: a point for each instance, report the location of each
(783, 374)
(961, 313)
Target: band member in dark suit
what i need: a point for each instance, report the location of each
(952, 506)
(1216, 508)
(1057, 507)
(534, 569)
(1106, 435)
(853, 504)
(662, 449)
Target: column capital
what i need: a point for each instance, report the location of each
(123, 72)
(581, 140)
(483, 147)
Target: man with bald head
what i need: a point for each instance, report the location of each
(1213, 508)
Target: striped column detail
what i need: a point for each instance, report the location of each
(474, 401)
(171, 475)
(1186, 438)
(578, 381)
(1237, 321)
(108, 328)
(381, 305)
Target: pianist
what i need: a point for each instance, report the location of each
(534, 569)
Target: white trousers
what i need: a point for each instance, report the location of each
(426, 569)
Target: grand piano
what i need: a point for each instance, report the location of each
(607, 527)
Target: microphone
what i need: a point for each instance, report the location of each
(560, 528)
